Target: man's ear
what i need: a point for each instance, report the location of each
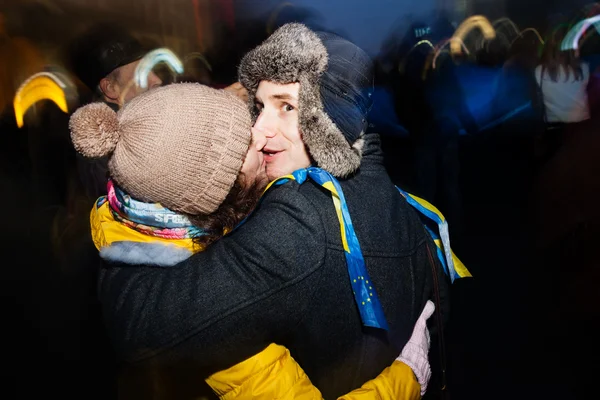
(110, 89)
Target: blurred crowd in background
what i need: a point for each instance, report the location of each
(488, 109)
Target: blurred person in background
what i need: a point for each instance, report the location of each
(563, 78)
(104, 59)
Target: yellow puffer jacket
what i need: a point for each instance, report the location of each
(270, 374)
(274, 374)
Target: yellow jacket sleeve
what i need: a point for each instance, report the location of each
(274, 374)
(270, 374)
(395, 382)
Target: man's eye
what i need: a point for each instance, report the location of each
(288, 107)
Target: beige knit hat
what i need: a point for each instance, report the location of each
(181, 145)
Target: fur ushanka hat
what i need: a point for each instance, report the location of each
(335, 96)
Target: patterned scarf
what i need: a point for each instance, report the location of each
(148, 218)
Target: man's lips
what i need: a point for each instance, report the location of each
(269, 154)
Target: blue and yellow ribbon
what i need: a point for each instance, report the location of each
(453, 267)
(365, 295)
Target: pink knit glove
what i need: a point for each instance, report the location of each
(414, 354)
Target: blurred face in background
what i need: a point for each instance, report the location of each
(119, 86)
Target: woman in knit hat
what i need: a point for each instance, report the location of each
(184, 172)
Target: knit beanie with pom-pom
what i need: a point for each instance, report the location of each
(181, 145)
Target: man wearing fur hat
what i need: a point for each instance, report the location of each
(310, 93)
(333, 263)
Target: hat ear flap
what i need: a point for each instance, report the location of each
(324, 140)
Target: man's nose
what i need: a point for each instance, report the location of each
(153, 80)
(263, 124)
